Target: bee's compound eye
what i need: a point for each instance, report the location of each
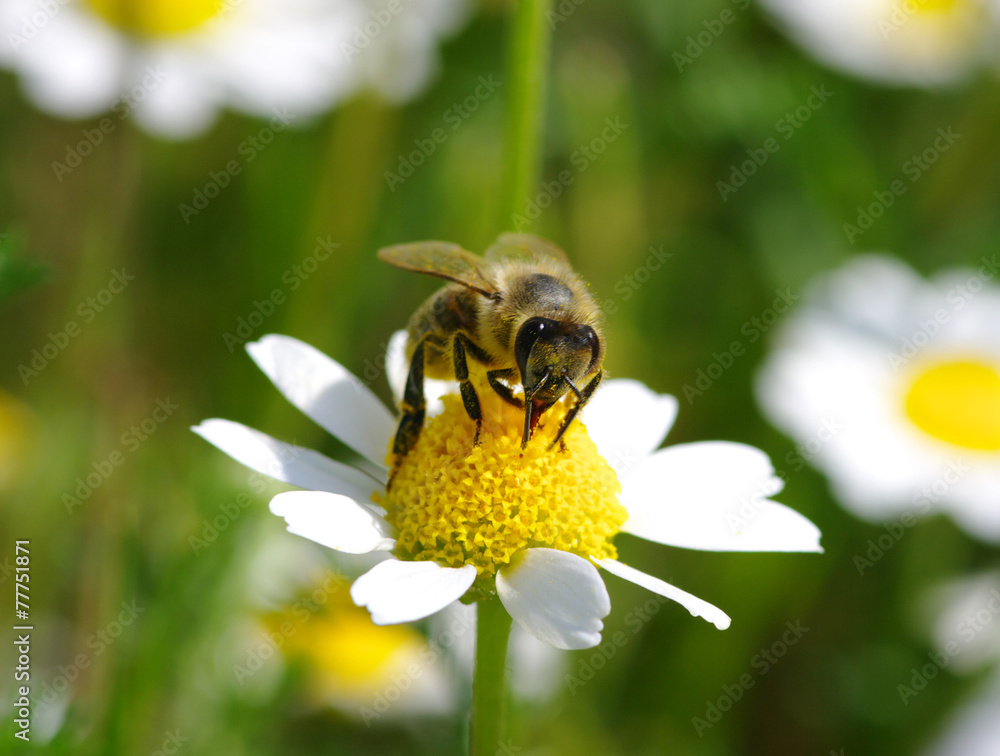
(590, 338)
(530, 332)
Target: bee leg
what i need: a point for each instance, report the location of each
(469, 397)
(582, 397)
(413, 406)
(503, 390)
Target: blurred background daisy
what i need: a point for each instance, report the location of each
(896, 42)
(175, 64)
(302, 630)
(899, 379)
(965, 617)
(891, 383)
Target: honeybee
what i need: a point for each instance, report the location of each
(520, 311)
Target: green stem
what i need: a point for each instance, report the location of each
(527, 72)
(489, 686)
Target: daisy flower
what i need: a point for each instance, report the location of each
(176, 63)
(967, 635)
(467, 521)
(891, 385)
(358, 667)
(902, 42)
(300, 616)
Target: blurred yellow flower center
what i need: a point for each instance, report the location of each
(929, 7)
(456, 503)
(16, 435)
(156, 18)
(958, 402)
(347, 654)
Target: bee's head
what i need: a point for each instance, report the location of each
(551, 355)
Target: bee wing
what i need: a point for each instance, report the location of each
(441, 259)
(524, 246)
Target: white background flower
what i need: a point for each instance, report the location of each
(910, 42)
(967, 631)
(679, 496)
(850, 356)
(299, 56)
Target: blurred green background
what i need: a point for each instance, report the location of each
(164, 337)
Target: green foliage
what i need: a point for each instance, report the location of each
(16, 274)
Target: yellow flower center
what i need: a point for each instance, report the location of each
(933, 29)
(156, 18)
(16, 437)
(457, 503)
(348, 655)
(958, 402)
(930, 7)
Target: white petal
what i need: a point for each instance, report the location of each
(712, 496)
(334, 521)
(975, 729)
(182, 101)
(396, 591)
(296, 465)
(693, 604)
(397, 367)
(956, 604)
(628, 421)
(556, 596)
(73, 68)
(867, 39)
(326, 392)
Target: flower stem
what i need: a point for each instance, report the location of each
(527, 72)
(489, 686)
